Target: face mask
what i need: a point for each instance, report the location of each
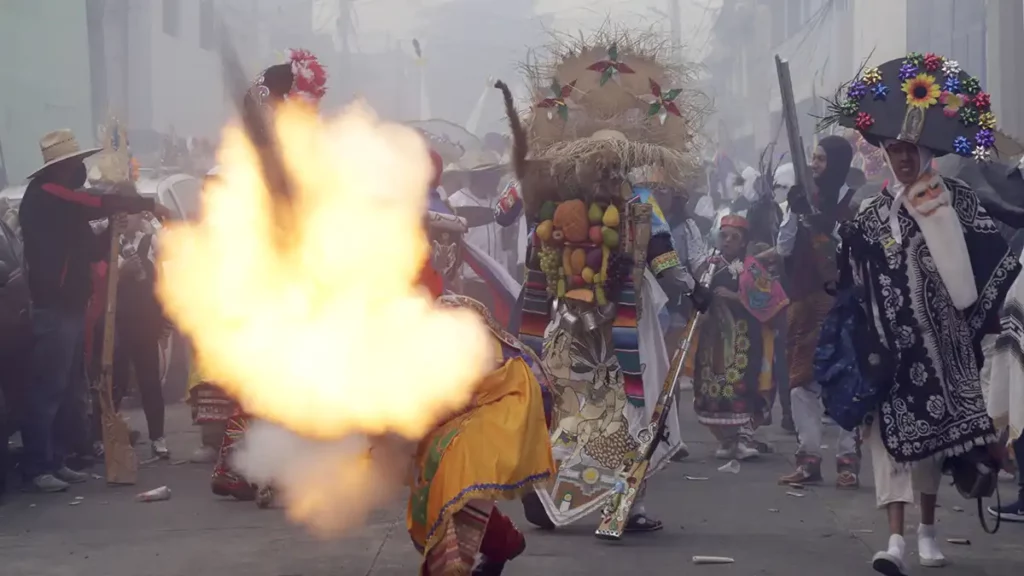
(77, 178)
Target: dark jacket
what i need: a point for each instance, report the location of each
(60, 243)
(140, 314)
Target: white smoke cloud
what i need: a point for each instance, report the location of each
(329, 486)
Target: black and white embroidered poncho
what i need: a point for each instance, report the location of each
(935, 405)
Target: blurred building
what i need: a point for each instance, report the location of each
(826, 42)
(44, 80)
(159, 68)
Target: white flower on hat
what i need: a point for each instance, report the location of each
(951, 68)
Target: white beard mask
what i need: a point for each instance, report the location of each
(929, 202)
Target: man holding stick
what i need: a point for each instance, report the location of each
(59, 246)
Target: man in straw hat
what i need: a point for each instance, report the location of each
(59, 247)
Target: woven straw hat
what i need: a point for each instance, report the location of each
(476, 161)
(61, 145)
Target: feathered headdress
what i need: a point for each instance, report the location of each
(309, 78)
(302, 76)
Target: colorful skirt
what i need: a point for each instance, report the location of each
(460, 472)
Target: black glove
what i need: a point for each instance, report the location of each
(798, 200)
(701, 298)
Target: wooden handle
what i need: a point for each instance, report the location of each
(122, 465)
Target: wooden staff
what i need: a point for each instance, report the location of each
(121, 463)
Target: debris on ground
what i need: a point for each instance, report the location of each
(74, 503)
(695, 478)
(960, 541)
(154, 495)
(795, 494)
(149, 461)
(773, 510)
(957, 509)
(797, 486)
(97, 477)
(712, 560)
(733, 467)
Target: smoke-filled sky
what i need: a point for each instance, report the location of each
(380, 19)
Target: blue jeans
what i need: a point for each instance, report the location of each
(57, 393)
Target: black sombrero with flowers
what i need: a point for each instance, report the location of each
(923, 99)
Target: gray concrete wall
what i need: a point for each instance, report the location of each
(44, 80)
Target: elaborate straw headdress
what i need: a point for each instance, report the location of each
(607, 105)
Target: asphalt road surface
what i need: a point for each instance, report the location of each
(745, 516)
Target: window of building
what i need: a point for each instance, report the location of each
(171, 17)
(207, 25)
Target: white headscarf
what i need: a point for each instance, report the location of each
(785, 178)
(750, 177)
(942, 231)
(898, 189)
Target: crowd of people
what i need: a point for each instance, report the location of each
(589, 264)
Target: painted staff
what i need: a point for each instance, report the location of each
(122, 466)
(616, 512)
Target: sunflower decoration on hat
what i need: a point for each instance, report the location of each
(926, 100)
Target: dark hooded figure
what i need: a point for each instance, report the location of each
(804, 239)
(837, 155)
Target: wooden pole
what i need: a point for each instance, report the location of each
(122, 466)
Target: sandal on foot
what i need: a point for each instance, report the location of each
(641, 523)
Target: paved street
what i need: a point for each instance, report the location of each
(745, 516)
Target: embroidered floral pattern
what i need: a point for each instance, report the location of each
(935, 405)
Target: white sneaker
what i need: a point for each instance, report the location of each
(744, 452)
(70, 476)
(48, 483)
(160, 449)
(725, 452)
(928, 548)
(890, 562)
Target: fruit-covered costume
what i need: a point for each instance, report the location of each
(303, 78)
(602, 261)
